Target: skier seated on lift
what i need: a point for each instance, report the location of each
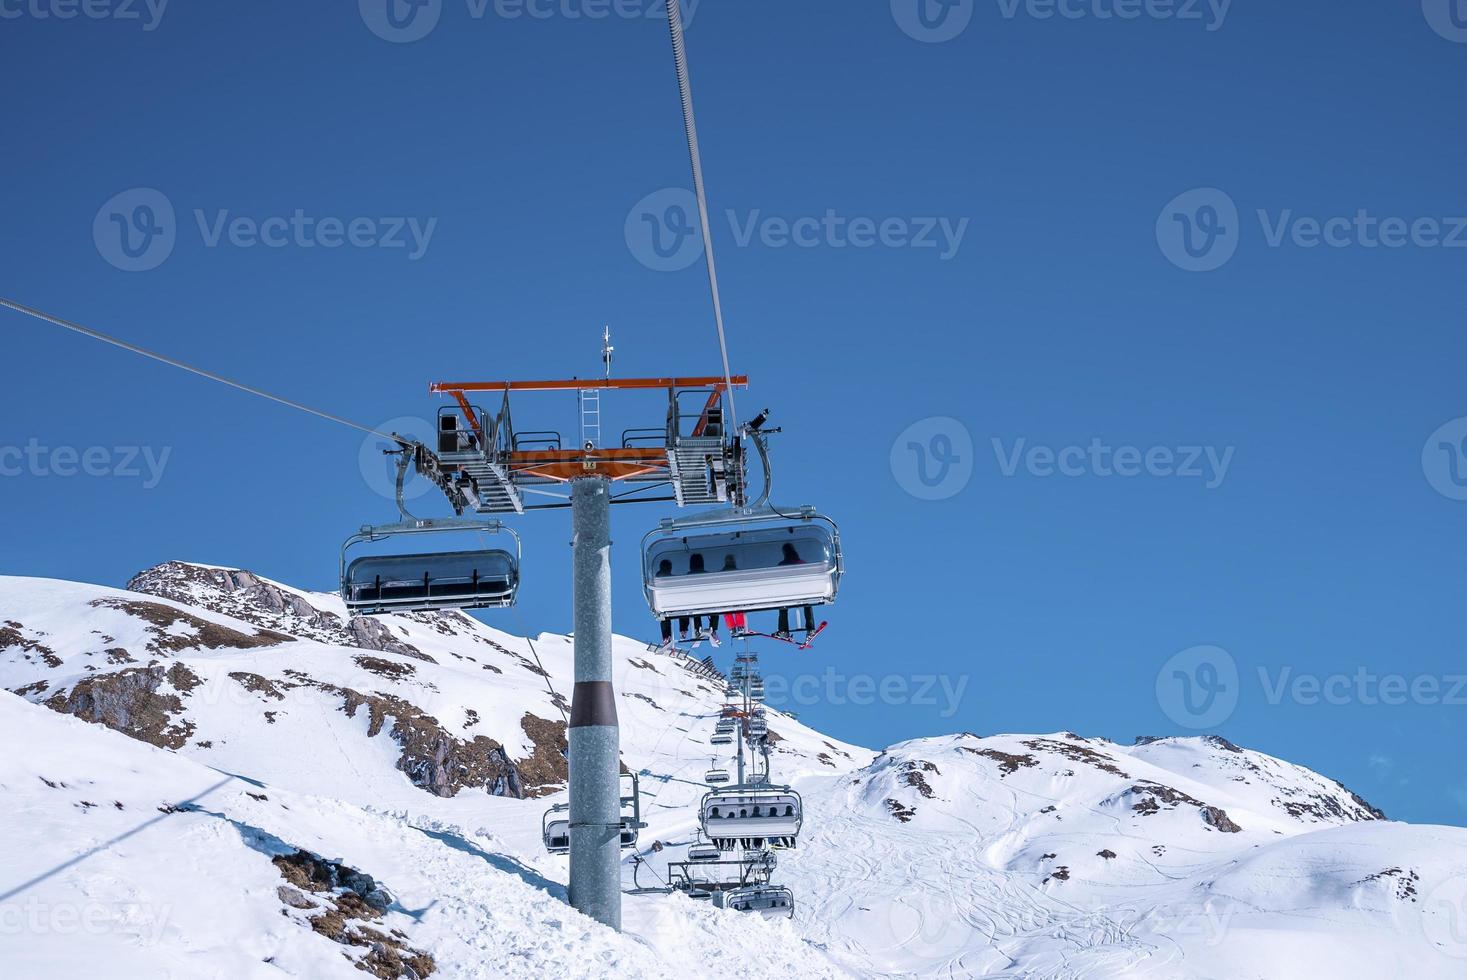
(792, 557)
(738, 623)
(696, 567)
(664, 570)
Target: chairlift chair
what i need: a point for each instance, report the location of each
(476, 579)
(716, 777)
(722, 738)
(704, 853)
(555, 824)
(556, 832)
(741, 560)
(752, 817)
(770, 901)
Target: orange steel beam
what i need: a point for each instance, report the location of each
(468, 411)
(451, 387)
(562, 466)
(713, 399)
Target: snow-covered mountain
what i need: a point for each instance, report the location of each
(212, 774)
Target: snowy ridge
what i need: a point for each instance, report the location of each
(418, 752)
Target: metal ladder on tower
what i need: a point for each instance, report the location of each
(591, 418)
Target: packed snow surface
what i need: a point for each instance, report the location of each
(183, 757)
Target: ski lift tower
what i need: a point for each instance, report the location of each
(482, 463)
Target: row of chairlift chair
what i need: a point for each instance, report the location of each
(750, 822)
(750, 559)
(737, 560)
(787, 562)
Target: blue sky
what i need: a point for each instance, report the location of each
(1030, 242)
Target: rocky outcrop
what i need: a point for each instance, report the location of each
(167, 626)
(343, 904)
(1218, 819)
(245, 596)
(132, 702)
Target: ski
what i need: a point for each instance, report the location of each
(804, 644)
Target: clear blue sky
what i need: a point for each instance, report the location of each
(1054, 144)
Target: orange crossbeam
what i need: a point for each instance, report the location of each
(562, 466)
(587, 384)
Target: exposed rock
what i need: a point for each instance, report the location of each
(390, 669)
(1218, 819)
(369, 633)
(257, 684)
(1077, 753)
(1008, 762)
(431, 757)
(129, 702)
(1405, 882)
(912, 776)
(242, 595)
(546, 769)
(11, 636)
(163, 619)
(1218, 742)
(900, 810)
(348, 899)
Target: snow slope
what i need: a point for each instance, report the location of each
(139, 862)
(422, 750)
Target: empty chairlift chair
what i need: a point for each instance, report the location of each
(555, 829)
(735, 561)
(716, 777)
(555, 825)
(479, 579)
(704, 853)
(770, 901)
(741, 816)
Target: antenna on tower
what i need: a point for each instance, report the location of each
(607, 350)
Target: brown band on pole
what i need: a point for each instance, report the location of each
(593, 703)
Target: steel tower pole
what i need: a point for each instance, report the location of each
(595, 756)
